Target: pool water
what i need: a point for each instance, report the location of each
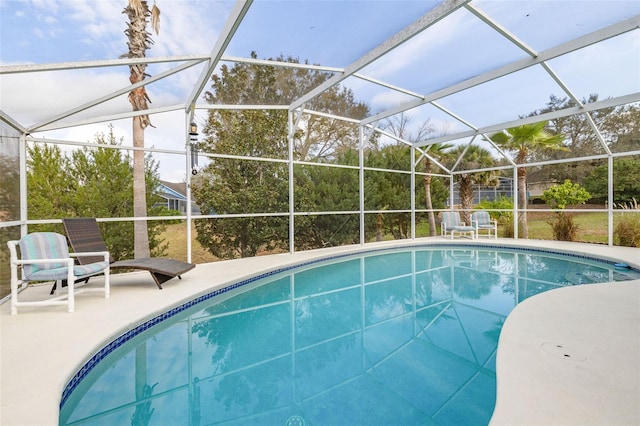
(383, 338)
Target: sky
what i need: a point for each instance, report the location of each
(330, 33)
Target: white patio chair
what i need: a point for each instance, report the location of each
(481, 221)
(451, 224)
(44, 256)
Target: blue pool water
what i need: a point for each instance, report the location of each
(397, 337)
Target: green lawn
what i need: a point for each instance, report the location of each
(592, 227)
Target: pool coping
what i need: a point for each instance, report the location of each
(32, 384)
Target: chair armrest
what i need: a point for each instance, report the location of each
(38, 261)
(92, 253)
(474, 223)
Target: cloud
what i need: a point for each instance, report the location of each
(31, 98)
(386, 99)
(421, 45)
(38, 33)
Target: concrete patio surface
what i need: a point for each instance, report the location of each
(568, 356)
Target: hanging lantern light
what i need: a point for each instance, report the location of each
(193, 133)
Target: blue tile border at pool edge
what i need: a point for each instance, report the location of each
(130, 334)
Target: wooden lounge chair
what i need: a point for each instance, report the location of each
(84, 235)
(451, 224)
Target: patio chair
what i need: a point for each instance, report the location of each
(44, 256)
(84, 235)
(451, 224)
(481, 221)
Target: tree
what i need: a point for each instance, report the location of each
(560, 197)
(323, 139)
(94, 182)
(239, 186)
(617, 126)
(9, 188)
(328, 189)
(399, 126)
(622, 132)
(626, 181)
(524, 141)
(474, 157)
(437, 150)
(244, 185)
(139, 41)
(387, 190)
(48, 174)
(105, 181)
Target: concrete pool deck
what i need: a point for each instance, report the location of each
(557, 363)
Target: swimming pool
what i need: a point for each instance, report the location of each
(386, 337)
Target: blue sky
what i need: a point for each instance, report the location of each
(331, 33)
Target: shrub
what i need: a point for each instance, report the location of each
(506, 224)
(504, 218)
(627, 229)
(559, 197)
(564, 227)
(499, 203)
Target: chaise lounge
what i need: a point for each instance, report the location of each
(84, 234)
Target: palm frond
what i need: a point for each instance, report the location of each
(155, 19)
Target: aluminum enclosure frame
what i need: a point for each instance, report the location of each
(366, 126)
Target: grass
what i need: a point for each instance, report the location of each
(176, 237)
(592, 229)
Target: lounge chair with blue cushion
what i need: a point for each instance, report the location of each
(44, 256)
(451, 224)
(481, 221)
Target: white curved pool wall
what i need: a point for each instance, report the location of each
(43, 349)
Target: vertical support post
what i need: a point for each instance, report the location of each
(361, 180)
(22, 149)
(516, 219)
(610, 199)
(290, 133)
(452, 198)
(413, 193)
(189, 118)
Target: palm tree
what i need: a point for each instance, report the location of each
(437, 150)
(139, 41)
(399, 126)
(474, 158)
(523, 141)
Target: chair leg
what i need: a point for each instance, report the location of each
(70, 286)
(14, 289)
(107, 284)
